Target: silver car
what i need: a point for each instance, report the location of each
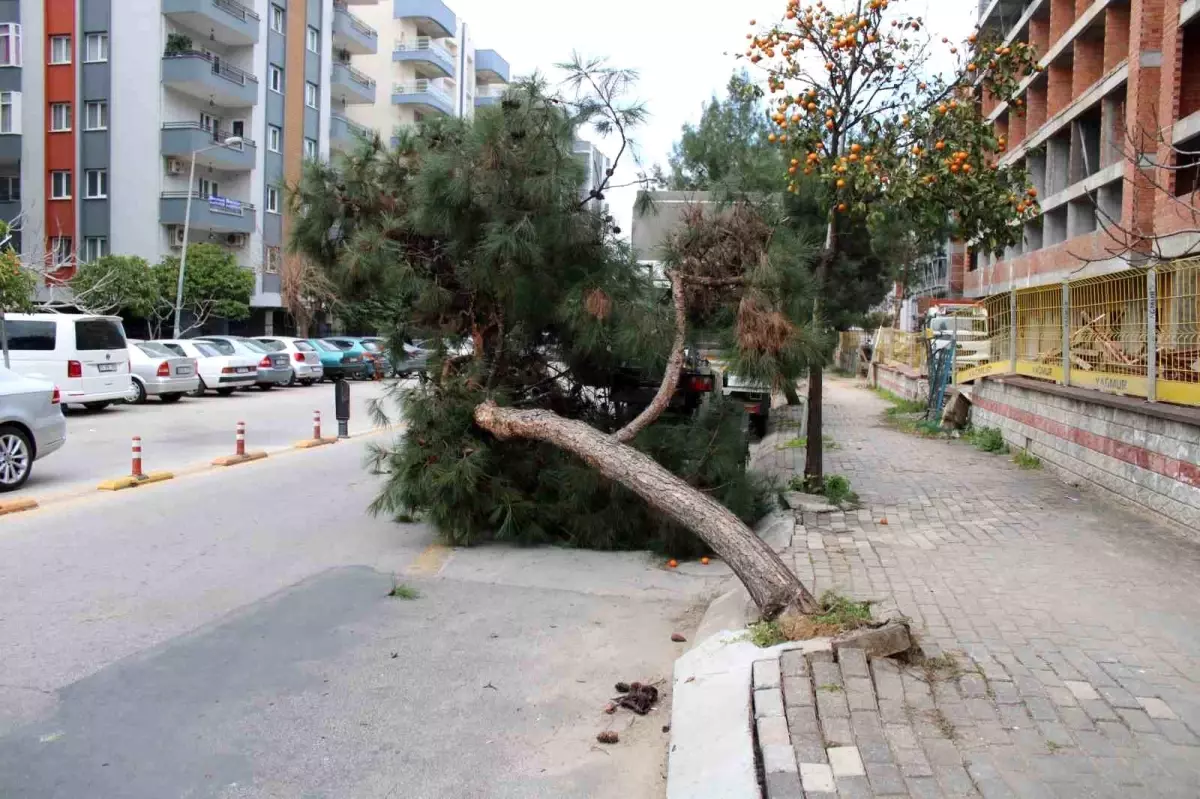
(303, 356)
(159, 372)
(31, 426)
(274, 368)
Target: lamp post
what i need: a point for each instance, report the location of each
(232, 141)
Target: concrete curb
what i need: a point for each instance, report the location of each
(16, 505)
(235, 460)
(309, 443)
(129, 481)
(712, 741)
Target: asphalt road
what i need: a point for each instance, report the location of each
(230, 634)
(190, 432)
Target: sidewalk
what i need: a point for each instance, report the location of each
(1074, 623)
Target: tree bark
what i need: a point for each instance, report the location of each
(814, 455)
(670, 381)
(772, 586)
(789, 393)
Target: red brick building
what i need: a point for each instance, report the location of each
(1121, 83)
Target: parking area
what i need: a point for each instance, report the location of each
(190, 432)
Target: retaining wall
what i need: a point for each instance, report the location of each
(900, 380)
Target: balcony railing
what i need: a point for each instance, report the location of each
(422, 87)
(236, 9)
(355, 22)
(358, 76)
(424, 43)
(219, 67)
(215, 203)
(218, 135)
(352, 126)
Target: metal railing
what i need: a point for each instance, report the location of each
(219, 67)
(236, 9)
(1135, 333)
(898, 347)
(420, 87)
(218, 135)
(357, 76)
(355, 22)
(421, 43)
(352, 126)
(216, 203)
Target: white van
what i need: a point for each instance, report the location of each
(84, 355)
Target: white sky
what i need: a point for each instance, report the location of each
(683, 50)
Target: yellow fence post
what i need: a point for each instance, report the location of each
(1152, 334)
(1066, 331)
(1012, 326)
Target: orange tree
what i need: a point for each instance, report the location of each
(861, 111)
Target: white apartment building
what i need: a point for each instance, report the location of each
(427, 65)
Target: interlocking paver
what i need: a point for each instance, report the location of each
(1074, 623)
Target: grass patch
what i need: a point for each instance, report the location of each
(1025, 460)
(403, 591)
(831, 687)
(942, 723)
(766, 633)
(837, 490)
(837, 615)
(900, 405)
(987, 439)
(802, 443)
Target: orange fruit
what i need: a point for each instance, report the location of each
(672, 563)
(704, 561)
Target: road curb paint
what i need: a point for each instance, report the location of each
(309, 443)
(130, 481)
(16, 505)
(431, 562)
(234, 460)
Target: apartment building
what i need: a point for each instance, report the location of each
(1100, 131)
(428, 66)
(597, 165)
(104, 105)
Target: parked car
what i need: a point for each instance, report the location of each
(306, 362)
(221, 373)
(415, 360)
(31, 425)
(274, 368)
(370, 352)
(84, 355)
(159, 372)
(338, 364)
(754, 396)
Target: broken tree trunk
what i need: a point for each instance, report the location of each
(772, 586)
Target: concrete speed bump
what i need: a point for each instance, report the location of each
(16, 505)
(309, 443)
(129, 481)
(234, 460)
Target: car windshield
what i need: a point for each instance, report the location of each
(372, 346)
(340, 343)
(324, 346)
(223, 347)
(155, 350)
(206, 350)
(304, 346)
(254, 346)
(271, 346)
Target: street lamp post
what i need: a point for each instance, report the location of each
(232, 141)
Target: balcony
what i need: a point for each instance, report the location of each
(211, 214)
(350, 86)
(429, 57)
(10, 148)
(226, 21)
(345, 135)
(208, 78)
(489, 95)
(432, 17)
(424, 95)
(181, 139)
(352, 34)
(490, 67)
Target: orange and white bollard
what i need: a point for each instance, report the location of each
(240, 450)
(136, 471)
(316, 425)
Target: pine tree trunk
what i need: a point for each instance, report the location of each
(772, 586)
(789, 393)
(814, 455)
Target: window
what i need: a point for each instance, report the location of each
(310, 149)
(10, 112)
(314, 39)
(275, 78)
(10, 188)
(277, 19)
(209, 188)
(26, 335)
(99, 334)
(60, 184)
(60, 49)
(95, 115)
(95, 47)
(272, 200)
(310, 95)
(274, 139)
(10, 45)
(60, 252)
(60, 117)
(95, 184)
(273, 258)
(94, 248)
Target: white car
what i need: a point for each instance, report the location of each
(305, 360)
(31, 426)
(82, 354)
(221, 373)
(160, 372)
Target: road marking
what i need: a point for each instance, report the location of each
(431, 562)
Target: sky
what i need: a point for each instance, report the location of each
(683, 51)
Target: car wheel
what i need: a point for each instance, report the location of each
(759, 425)
(199, 390)
(16, 458)
(291, 380)
(139, 395)
(306, 382)
(96, 406)
(265, 386)
(225, 392)
(169, 398)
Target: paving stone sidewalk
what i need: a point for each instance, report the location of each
(1070, 626)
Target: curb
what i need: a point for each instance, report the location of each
(235, 460)
(309, 443)
(16, 506)
(129, 481)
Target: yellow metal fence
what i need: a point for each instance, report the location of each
(1135, 333)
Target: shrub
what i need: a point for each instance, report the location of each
(987, 439)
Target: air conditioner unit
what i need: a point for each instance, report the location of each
(177, 236)
(236, 239)
(175, 166)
